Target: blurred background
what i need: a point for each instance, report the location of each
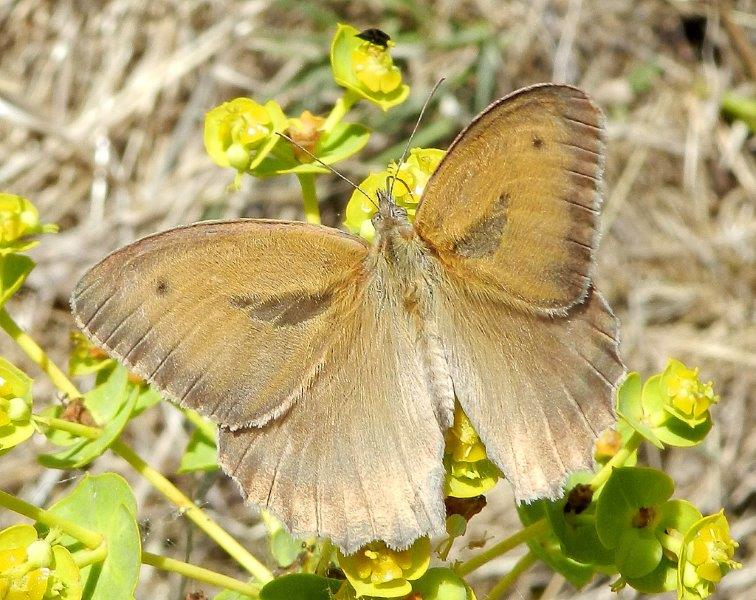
(101, 112)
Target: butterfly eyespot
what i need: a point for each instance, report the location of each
(537, 143)
(161, 287)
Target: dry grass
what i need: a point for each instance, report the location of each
(101, 109)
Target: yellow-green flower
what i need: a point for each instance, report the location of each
(687, 397)
(375, 570)
(411, 177)
(707, 556)
(469, 473)
(32, 568)
(19, 219)
(15, 406)
(241, 132)
(365, 67)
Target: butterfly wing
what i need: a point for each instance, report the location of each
(229, 318)
(273, 330)
(538, 389)
(514, 204)
(512, 213)
(359, 456)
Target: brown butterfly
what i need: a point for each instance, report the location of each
(331, 365)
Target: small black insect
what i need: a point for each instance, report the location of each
(375, 36)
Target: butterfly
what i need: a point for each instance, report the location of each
(332, 365)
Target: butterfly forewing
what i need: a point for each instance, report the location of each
(514, 204)
(229, 318)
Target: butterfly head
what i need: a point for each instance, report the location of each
(390, 215)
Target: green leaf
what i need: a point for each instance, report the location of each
(627, 491)
(302, 586)
(440, 584)
(630, 407)
(85, 451)
(201, 453)
(549, 550)
(105, 503)
(662, 579)
(679, 515)
(678, 433)
(638, 552)
(109, 393)
(577, 532)
(147, 398)
(344, 140)
(13, 271)
(284, 548)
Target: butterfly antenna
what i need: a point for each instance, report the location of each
(329, 167)
(414, 130)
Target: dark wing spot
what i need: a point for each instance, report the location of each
(483, 237)
(537, 142)
(285, 310)
(161, 287)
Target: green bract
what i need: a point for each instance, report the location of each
(302, 586)
(366, 69)
(15, 406)
(284, 548)
(105, 504)
(14, 269)
(19, 219)
(628, 513)
(201, 453)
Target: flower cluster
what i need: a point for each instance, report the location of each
(15, 406)
(33, 568)
(19, 220)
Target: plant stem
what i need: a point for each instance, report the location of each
(165, 487)
(39, 356)
(617, 460)
(77, 429)
(84, 558)
(193, 512)
(200, 574)
(199, 422)
(339, 110)
(533, 530)
(89, 538)
(505, 582)
(309, 197)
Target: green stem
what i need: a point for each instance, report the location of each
(200, 574)
(165, 487)
(309, 197)
(39, 356)
(617, 460)
(533, 530)
(76, 429)
(339, 110)
(193, 513)
(199, 422)
(89, 538)
(84, 558)
(505, 582)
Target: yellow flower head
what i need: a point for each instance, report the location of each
(373, 66)
(607, 445)
(15, 406)
(375, 570)
(411, 177)
(32, 568)
(707, 556)
(687, 397)
(362, 63)
(19, 219)
(305, 131)
(468, 471)
(241, 132)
